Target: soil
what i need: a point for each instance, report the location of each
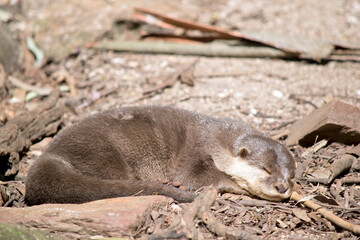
(269, 94)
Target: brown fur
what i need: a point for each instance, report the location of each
(124, 151)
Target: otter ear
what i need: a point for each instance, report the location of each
(243, 152)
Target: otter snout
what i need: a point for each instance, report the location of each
(281, 188)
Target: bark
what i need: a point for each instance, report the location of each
(18, 134)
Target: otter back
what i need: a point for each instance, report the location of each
(126, 151)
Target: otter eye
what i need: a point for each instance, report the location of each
(243, 152)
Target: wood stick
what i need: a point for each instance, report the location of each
(43, 91)
(327, 214)
(316, 49)
(210, 50)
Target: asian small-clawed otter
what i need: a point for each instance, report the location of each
(126, 151)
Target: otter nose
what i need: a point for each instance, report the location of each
(281, 188)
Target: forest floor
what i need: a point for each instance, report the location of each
(268, 94)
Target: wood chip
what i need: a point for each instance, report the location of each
(281, 223)
(341, 165)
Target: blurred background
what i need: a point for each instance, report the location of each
(268, 63)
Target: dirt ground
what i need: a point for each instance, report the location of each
(269, 94)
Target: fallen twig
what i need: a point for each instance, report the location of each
(252, 203)
(20, 84)
(210, 50)
(283, 125)
(313, 180)
(192, 97)
(315, 148)
(350, 180)
(301, 100)
(64, 75)
(316, 49)
(260, 115)
(327, 214)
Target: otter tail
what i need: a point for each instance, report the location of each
(52, 180)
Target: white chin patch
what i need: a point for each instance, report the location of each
(252, 179)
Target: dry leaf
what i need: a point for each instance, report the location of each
(301, 214)
(323, 199)
(305, 199)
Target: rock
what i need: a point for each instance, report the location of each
(112, 217)
(335, 121)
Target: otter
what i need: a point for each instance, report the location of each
(128, 150)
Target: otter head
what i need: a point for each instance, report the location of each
(260, 166)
